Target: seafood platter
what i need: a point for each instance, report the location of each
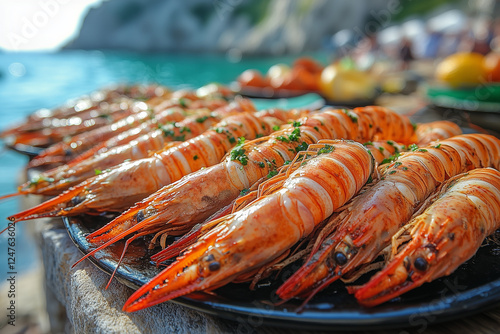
(340, 83)
(356, 218)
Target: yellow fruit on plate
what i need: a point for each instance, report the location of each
(462, 69)
(339, 84)
(278, 74)
(278, 71)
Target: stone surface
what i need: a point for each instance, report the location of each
(93, 309)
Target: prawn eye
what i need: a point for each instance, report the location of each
(340, 258)
(76, 200)
(139, 216)
(420, 264)
(213, 266)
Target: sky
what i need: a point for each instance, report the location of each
(40, 25)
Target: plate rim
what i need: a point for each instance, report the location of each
(439, 310)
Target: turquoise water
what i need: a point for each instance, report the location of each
(29, 81)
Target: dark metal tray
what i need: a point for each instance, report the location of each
(472, 288)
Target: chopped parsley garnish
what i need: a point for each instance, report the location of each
(167, 132)
(296, 124)
(195, 157)
(302, 147)
(105, 116)
(179, 138)
(244, 192)
(391, 158)
(326, 149)
(283, 139)
(295, 135)
(183, 102)
(351, 115)
(437, 146)
(238, 152)
(97, 171)
(397, 163)
(413, 147)
(201, 119)
(276, 128)
(40, 178)
(272, 173)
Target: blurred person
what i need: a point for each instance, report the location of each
(406, 53)
(432, 44)
(451, 43)
(495, 37)
(483, 34)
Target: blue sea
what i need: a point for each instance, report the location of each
(30, 81)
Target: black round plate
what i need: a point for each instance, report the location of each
(473, 287)
(269, 93)
(30, 151)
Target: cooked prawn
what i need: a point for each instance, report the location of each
(264, 231)
(381, 151)
(85, 105)
(438, 130)
(54, 181)
(465, 210)
(363, 229)
(121, 186)
(177, 207)
(66, 150)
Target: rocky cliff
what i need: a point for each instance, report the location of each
(243, 26)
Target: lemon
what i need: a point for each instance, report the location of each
(278, 71)
(340, 84)
(462, 69)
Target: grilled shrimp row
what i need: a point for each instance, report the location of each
(169, 127)
(293, 203)
(85, 121)
(301, 185)
(366, 227)
(46, 127)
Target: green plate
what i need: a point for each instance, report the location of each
(481, 98)
(307, 101)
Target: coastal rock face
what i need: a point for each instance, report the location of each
(244, 26)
